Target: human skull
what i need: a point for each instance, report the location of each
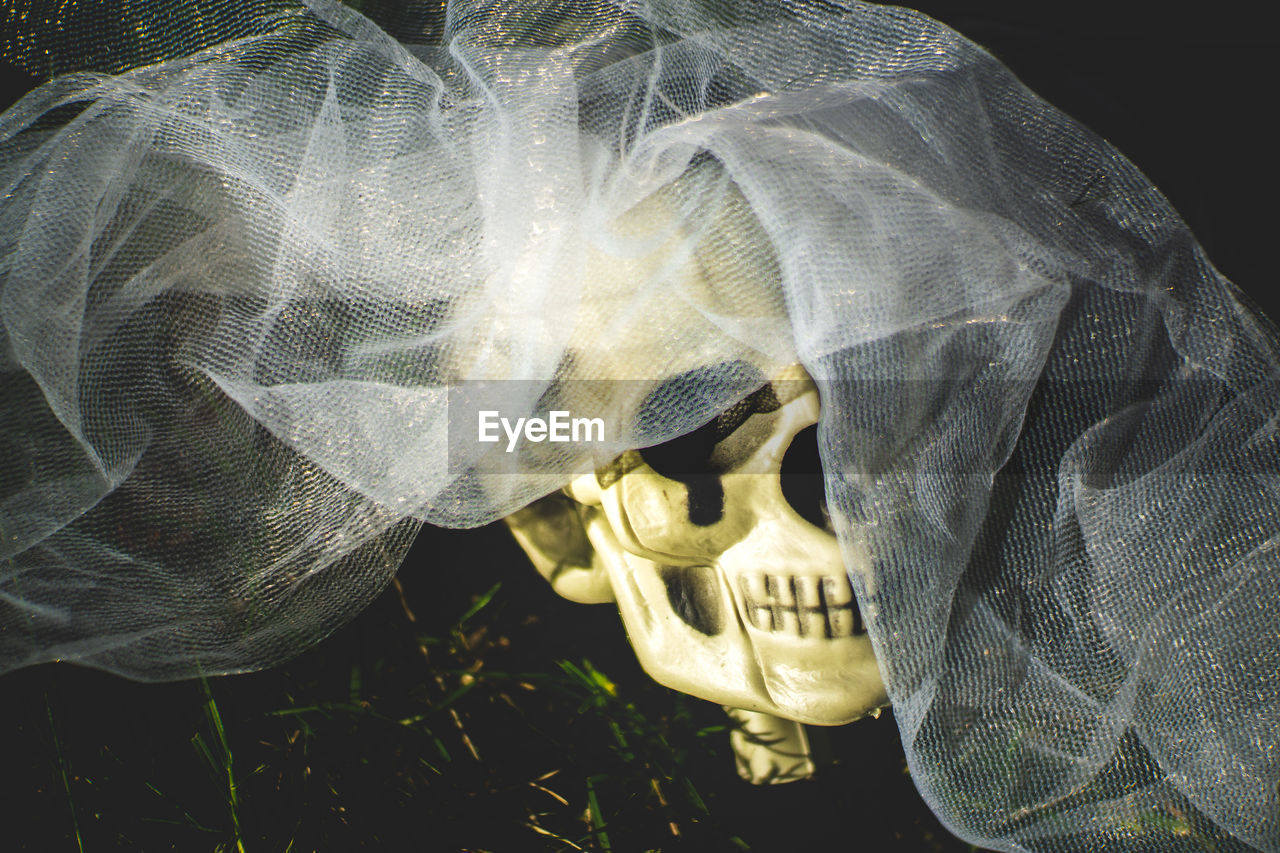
(728, 592)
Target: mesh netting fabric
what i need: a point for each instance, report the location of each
(247, 249)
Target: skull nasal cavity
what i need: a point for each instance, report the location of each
(694, 594)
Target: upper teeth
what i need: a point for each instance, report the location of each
(801, 605)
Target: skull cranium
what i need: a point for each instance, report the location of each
(727, 591)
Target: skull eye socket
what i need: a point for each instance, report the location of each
(802, 481)
(689, 456)
(687, 460)
(685, 457)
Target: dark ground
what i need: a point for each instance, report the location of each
(355, 745)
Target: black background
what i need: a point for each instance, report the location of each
(1185, 91)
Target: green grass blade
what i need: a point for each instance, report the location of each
(62, 770)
